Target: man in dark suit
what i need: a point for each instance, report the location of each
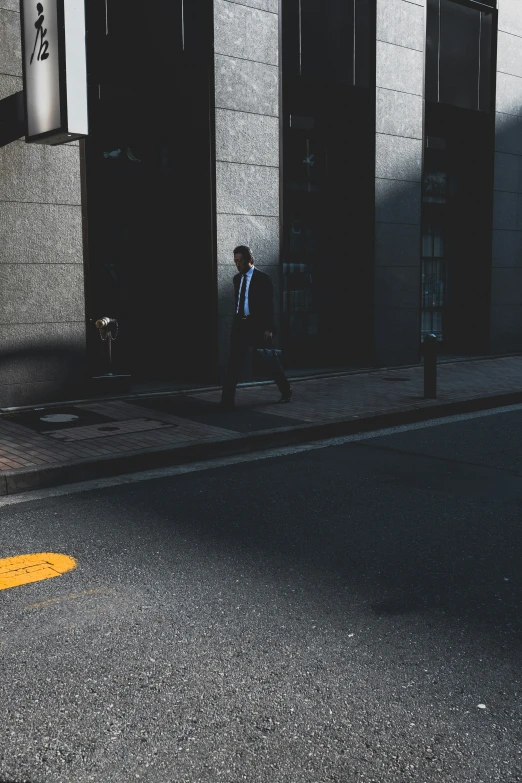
(253, 324)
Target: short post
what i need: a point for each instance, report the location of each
(110, 381)
(430, 366)
(109, 345)
(105, 327)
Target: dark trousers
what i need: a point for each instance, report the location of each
(244, 336)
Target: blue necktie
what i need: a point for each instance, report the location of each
(241, 309)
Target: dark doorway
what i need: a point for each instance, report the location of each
(457, 227)
(328, 168)
(149, 186)
(457, 198)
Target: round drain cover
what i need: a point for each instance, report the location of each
(58, 418)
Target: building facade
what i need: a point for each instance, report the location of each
(370, 152)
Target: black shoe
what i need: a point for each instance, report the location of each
(286, 396)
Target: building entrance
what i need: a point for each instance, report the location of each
(457, 204)
(328, 174)
(328, 220)
(148, 178)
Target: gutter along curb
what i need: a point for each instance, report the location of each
(27, 479)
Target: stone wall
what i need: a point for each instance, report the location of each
(506, 282)
(401, 27)
(246, 45)
(42, 318)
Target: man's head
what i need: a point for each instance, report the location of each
(243, 258)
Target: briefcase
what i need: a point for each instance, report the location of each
(267, 362)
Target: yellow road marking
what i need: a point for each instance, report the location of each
(61, 598)
(24, 569)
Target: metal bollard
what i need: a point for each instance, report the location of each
(430, 367)
(105, 326)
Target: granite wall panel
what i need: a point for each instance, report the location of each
(41, 293)
(507, 248)
(400, 68)
(263, 5)
(507, 172)
(508, 133)
(33, 353)
(506, 285)
(9, 85)
(42, 318)
(509, 57)
(510, 17)
(36, 227)
(398, 23)
(506, 280)
(10, 43)
(261, 233)
(396, 336)
(397, 287)
(245, 32)
(399, 114)
(506, 331)
(398, 158)
(509, 94)
(247, 190)
(247, 145)
(398, 174)
(247, 138)
(397, 202)
(246, 86)
(397, 244)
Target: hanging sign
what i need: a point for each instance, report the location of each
(54, 70)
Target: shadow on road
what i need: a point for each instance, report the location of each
(322, 516)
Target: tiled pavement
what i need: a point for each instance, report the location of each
(148, 423)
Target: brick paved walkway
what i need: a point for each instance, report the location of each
(130, 425)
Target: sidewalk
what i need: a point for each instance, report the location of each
(75, 442)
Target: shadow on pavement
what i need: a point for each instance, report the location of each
(403, 550)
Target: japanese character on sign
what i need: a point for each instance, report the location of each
(43, 52)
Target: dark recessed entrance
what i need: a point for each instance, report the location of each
(149, 184)
(328, 175)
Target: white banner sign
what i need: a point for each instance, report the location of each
(55, 71)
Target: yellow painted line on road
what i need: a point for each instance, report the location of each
(24, 569)
(60, 599)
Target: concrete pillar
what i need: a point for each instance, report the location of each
(401, 31)
(506, 283)
(42, 314)
(246, 44)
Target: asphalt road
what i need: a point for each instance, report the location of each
(342, 614)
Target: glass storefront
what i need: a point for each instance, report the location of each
(327, 182)
(149, 166)
(458, 174)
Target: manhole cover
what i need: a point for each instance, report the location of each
(58, 418)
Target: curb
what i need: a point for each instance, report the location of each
(27, 479)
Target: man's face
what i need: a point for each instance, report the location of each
(242, 264)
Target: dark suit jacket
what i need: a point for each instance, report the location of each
(260, 300)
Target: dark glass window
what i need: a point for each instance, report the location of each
(327, 40)
(458, 54)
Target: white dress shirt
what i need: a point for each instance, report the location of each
(248, 278)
